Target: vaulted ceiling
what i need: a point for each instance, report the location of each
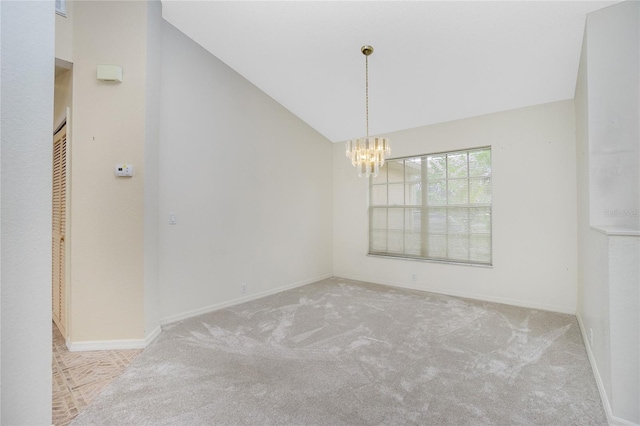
(434, 61)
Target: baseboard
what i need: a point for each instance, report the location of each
(211, 308)
(108, 345)
(103, 345)
(617, 421)
(504, 301)
(596, 372)
(152, 336)
(613, 420)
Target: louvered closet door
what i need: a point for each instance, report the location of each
(59, 227)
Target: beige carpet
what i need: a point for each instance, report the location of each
(339, 352)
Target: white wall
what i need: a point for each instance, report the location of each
(250, 184)
(26, 98)
(534, 204)
(593, 259)
(1, 118)
(607, 124)
(624, 293)
(613, 50)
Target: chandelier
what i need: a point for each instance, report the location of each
(367, 154)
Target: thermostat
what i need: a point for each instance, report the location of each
(124, 170)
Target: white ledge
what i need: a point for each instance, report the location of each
(617, 231)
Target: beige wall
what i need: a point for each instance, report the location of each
(107, 224)
(61, 95)
(534, 205)
(151, 176)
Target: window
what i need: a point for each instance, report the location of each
(434, 206)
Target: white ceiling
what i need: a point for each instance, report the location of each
(434, 61)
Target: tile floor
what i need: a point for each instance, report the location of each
(78, 377)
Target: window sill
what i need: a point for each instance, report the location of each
(445, 262)
(616, 231)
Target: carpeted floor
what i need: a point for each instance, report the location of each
(343, 352)
(78, 377)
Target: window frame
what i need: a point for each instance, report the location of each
(61, 7)
(424, 206)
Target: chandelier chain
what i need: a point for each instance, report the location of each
(366, 67)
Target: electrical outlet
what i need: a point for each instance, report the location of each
(591, 337)
(414, 277)
(243, 288)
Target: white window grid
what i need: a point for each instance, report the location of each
(402, 237)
